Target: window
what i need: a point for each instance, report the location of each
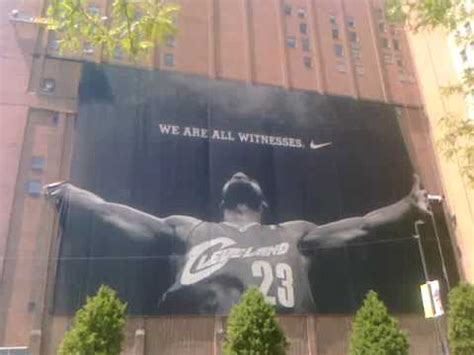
(387, 58)
(54, 42)
(118, 53)
(356, 53)
(305, 44)
(18, 350)
(88, 48)
(379, 12)
(287, 9)
(170, 41)
(401, 68)
(396, 44)
(338, 50)
(169, 59)
(308, 62)
(301, 13)
(303, 28)
(37, 163)
(55, 118)
(291, 42)
(351, 22)
(341, 67)
(353, 37)
(463, 54)
(34, 188)
(48, 85)
(360, 70)
(385, 43)
(333, 20)
(335, 33)
(94, 10)
(382, 27)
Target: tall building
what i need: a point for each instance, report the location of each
(440, 63)
(342, 49)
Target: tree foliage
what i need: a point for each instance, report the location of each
(375, 332)
(98, 326)
(134, 26)
(461, 319)
(455, 16)
(252, 327)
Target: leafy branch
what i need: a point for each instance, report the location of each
(457, 140)
(134, 26)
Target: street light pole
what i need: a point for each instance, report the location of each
(439, 333)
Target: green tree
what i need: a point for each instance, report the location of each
(134, 26)
(252, 327)
(375, 332)
(98, 326)
(457, 141)
(461, 319)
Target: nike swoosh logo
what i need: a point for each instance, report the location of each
(312, 145)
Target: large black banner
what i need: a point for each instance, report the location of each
(186, 191)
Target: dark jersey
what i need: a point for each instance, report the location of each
(223, 260)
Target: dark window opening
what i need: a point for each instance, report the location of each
(351, 22)
(287, 9)
(353, 37)
(303, 28)
(48, 85)
(291, 42)
(34, 188)
(396, 45)
(305, 44)
(301, 13)
(339, 50)
(335, 33)
(308, 62)
(37, 163)
(169, 59)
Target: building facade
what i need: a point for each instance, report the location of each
(341, 48)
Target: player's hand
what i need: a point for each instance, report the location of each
(54, 192)
(419, 197)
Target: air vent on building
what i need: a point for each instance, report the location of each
(48, 85)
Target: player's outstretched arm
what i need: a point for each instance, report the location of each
(339, 232)
(130, 222)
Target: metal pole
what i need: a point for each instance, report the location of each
(440, 251)
(439, 333)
